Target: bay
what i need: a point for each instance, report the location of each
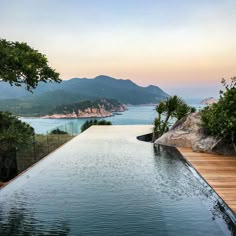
(135, 115)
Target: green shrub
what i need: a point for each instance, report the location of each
(89, 123)
(14, 135)
(219, 119)
(58, 131)
(13, 132)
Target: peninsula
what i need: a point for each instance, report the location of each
(87, 109)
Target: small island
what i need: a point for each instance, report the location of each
(208, 101)
(100, 108)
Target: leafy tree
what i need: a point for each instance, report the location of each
(22, 65)
(89, 123)
(14, 134)
(219, 119)
(172, 107)
(19, 65)
(183, 110)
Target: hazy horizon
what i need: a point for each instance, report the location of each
(184, 47)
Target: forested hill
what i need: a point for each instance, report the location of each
(125, 91)
(86, 109)
(110, 105)
(47, 97)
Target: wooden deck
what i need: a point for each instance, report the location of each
(218, 171)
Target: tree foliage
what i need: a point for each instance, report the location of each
(106, 103)
(19, 65)
(172, 107)
(89, 123)
(58, 131)
(14, 134)
(219, 119)
(22, 65)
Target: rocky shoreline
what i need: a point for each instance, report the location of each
(87, 113)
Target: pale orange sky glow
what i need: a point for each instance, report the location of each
(174, 44)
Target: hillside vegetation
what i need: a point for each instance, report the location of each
(47, 97)
(110, 105)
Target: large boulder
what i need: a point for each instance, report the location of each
(188, 132)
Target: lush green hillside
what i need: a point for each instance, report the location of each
(108, 104)
(48, 96)
(38, 105)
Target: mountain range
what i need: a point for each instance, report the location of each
(49, 95)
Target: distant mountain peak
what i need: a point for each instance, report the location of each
(151, 86)
(109, 78)
(75, 90)
(104, 77)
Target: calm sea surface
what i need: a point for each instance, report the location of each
(135, 115)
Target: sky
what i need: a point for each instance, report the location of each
(183, 46)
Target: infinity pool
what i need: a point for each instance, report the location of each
(106, 182)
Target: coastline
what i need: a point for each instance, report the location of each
(133, 116)
(68, 116)
(114, 113)
(61, 116)
(89, 112)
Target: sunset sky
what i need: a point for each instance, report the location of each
(183, 46)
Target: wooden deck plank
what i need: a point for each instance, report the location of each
(219, 171)
(213, 158)
(214, 163)
(225, 190)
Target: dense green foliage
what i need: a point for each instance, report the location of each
(51, 103)
(89, 123)
(38, 105)
(219, 119)
(14, 134)
(172, 107)
(22, 65)
(58, 131)
(108, 104)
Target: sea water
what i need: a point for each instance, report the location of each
(135, 115)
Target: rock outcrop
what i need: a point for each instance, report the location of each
(87, 113)
(208, 101)
(184, 133)
(97, 109)
(189, 133)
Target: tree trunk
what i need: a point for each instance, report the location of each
(167, 118)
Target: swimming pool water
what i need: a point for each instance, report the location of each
(106, 182)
